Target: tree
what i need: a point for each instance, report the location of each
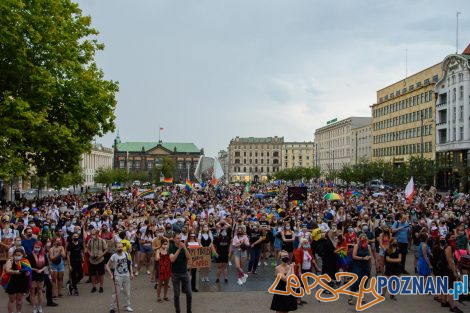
(346, 174)
(53, 98)
(422, 170)
(105, 176)
(168, 167)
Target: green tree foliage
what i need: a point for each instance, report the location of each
(168, 167)
(53, 98)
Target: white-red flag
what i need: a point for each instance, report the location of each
(410, 190)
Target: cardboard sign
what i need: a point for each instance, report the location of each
(136, 220)
(200, 257)
(4, 251)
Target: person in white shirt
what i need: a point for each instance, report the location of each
(121, 273)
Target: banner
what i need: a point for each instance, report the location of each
(200, 257)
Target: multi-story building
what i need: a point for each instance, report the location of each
(333, 143)
(146, 156)
(222, 156)
(361, 144)
(254, 159)
(452, 123)
(403, 118)
(298, 154)
(98, 157)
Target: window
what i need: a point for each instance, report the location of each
(460, 77)
(149, 164)
(461, 133)
(454, 94)
(461, 112)
(122, 164)
(137, 164)
(453, 134)
(435, 78)
(237, 153)
(461, 92)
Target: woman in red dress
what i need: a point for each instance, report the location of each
(163, 259)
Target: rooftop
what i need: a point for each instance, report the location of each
(183, 147)
(258, 139)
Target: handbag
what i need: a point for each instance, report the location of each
(463, 260)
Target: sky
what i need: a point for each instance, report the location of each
(210, 70)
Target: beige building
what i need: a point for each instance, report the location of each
(99, 157)
(298, 154)
(403, 118)
(254, 159)
(334, 143)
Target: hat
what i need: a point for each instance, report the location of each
(5, 218)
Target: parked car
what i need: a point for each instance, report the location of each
(376, 184)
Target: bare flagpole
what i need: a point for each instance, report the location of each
(457, 34)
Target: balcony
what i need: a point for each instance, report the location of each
(441, 105)
(441, 125)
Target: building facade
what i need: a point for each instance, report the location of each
(148, 156)
(254, 159)
(453, 123)
(98, 157)
(334, 143)
(403, 118)
(298, 154)
(361, 144)
(222, 156)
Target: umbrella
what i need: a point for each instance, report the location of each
(354, 193)
(259, 196)
(332, 196)
(166, 193)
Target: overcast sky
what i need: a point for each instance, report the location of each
(210, 70)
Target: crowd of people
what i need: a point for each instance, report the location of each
(55, 242)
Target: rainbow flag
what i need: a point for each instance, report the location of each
(188, 185)
(23, 265)
(145, 193)
(168, 180)
(296, 202)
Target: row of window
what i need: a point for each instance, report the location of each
(403, 134)
(403, 149)
(335, 132)
(403, 119)
(300, 157)
(453, 79)
(255, 169)
(255, 147)
(137, 164)
(238, 154)
(403, 104)
(410, 88)
(250, 161)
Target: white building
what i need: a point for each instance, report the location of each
(334, 142)
(361, 144)
(453, 122)
(99, 157)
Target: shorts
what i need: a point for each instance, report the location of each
(239, 253)
(58, 267)
(96, 269)
(146, 249)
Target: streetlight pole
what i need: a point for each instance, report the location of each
(356, 147)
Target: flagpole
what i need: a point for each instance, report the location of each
(159, 129)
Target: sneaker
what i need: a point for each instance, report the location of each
(148, 272)
(239, 282)
(35, 310)
(69, 288)
(217, 280)
(259, 263)
(244, 278)
(207, 279)
(129, 309)
(455, 310)
(93, 290)
(226, 280)
(112, 311)
(101, 290)
(203, 279)
(52, 304)
(265, 263)
(229, 263)
(136, 273)
(76, 292)
(39, 309)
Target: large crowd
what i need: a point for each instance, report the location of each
(55, 242)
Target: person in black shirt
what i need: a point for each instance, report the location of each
(179, 256)
(256, 240)
(75, 258)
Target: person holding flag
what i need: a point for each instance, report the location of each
(16, 279)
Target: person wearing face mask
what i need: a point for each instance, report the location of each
(256, 241)
(438, 263)
(39, 262)
(28, 241)
(205, 239)
(119, 267)
(57, 256)
(75, 256)
(240, 243)
(361, 256)
(284, 303)
(222, 247)
(164, 269)
(97, 248)
(304, 262)
(393, 259)
(156, 244)
(16, 245)
(18, 270)
(288, 238)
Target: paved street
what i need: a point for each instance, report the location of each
(251, 297)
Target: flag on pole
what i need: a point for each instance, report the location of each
(168, 180)
(214, 181)
(188, 185)
(410, 190)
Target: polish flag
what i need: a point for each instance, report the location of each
(410, 190)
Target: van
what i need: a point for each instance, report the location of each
(376, 184)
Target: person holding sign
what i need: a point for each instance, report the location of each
(179, 256)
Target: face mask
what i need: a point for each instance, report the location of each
(394, 245)
(46, 228)
(364, 229)
(442, 242)
(119, 250)
(53, 227)
(287, 227)
(224, 233)
(97, 219)
(29, 235)
(18, 258)
(350, 230)
(75, 239)
(285, 259)
(37, 250)
(306, 246)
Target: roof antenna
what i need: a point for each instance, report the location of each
(457, 34)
